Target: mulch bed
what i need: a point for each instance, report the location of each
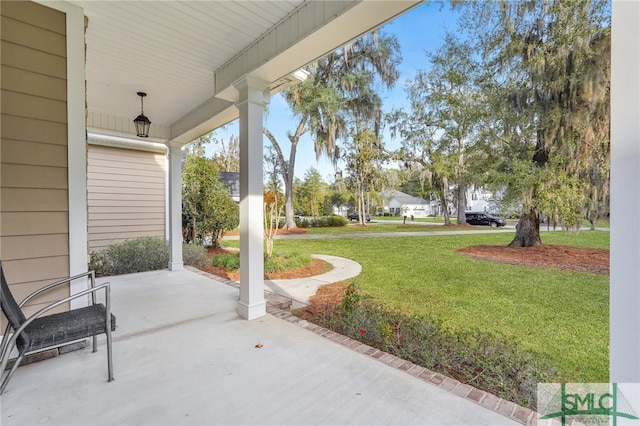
(545, 256)
(316, 267)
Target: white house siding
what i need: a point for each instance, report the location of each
(418, 210)
(480, 200)
(126, 195)
(402, 204)
(34, 212)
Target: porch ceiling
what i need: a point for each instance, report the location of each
(176, 50)
(167, 49)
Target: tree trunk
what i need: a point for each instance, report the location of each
(527, 230)
(289, 222)
(362, 216)
(269, 246)
(528, 227)
(462, 204)
(462, 187)
(445, 207)
(594, 211)
(287, 170)
(442, 193)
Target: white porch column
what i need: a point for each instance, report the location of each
(77, 148)
(251, 103)
(625, 193)
(175, 208)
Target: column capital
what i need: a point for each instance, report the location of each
(252, 89)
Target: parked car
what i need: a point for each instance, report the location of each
(485, 219)
(356, 216)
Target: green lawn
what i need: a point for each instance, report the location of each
(435, 220)
(371, 228)
(564, 315)
(601, 223)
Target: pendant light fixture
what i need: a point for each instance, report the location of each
(142, 122)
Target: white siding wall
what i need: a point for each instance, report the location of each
(418, 210)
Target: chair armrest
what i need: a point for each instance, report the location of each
(40, 291)
(48, 287)
(106, 286)
(10, 343)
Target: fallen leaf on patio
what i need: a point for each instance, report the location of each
(259, 345)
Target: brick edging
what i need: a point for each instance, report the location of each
(485, 399)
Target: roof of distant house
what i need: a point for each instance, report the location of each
(232, 181)
(403, 198)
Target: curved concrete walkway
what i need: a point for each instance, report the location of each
(299, 290)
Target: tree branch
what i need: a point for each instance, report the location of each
(283, 164)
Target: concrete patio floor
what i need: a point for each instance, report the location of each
(183, 356)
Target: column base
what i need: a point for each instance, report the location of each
(176, 266)
(254, 311)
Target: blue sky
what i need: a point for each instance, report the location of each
(418, 31)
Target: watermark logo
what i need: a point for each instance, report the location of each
(589, 403)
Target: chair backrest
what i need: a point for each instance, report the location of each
(10, 308)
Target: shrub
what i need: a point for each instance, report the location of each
(277, 262)
(208, 212)
(225, 216)
(486, 361)
(230, 261)
(301, 223)
(194, 255)
(281, 262)
(135, 255)
(322, 222)
(336, 221)
(140, 255)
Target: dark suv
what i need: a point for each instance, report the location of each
(484, 219)
(356, 216)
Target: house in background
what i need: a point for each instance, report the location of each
(480, 199)
(400, 204)
(232, 181)
(341, 210)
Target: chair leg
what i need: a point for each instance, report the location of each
(6, 379)
(109, 354)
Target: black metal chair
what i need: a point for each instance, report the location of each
(39, 332)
